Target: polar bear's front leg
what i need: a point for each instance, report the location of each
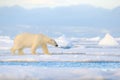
(45, 49)
(20, 51)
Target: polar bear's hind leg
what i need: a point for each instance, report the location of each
(13, 50)
(33, 50)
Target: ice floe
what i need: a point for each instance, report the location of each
(108, 40)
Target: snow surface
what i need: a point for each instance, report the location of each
(80, 50)
(108, 40)
(5, 42)
(68, 58)
(43, 73)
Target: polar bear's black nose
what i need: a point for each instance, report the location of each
(56, 45)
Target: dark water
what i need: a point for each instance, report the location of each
(66, 64)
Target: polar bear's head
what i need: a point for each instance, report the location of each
(49, 40)
(52, 42)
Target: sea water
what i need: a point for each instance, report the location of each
(53, 64)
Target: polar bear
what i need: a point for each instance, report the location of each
(33, 41)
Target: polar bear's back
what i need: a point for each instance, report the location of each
(25, 39)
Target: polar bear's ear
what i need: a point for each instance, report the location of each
(51, 40)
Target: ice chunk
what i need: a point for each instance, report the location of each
(63, 42)
(108, 40)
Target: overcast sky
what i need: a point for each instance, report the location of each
(108, 4)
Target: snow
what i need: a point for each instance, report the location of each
(86, 39)
(94, 39)
(108, 40)
(43, 73)
(91, 39)
(118, 39)
(63, 58)
(69, 50)
(5, 42)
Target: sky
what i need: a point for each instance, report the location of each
(81, 17)
(29, 4)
